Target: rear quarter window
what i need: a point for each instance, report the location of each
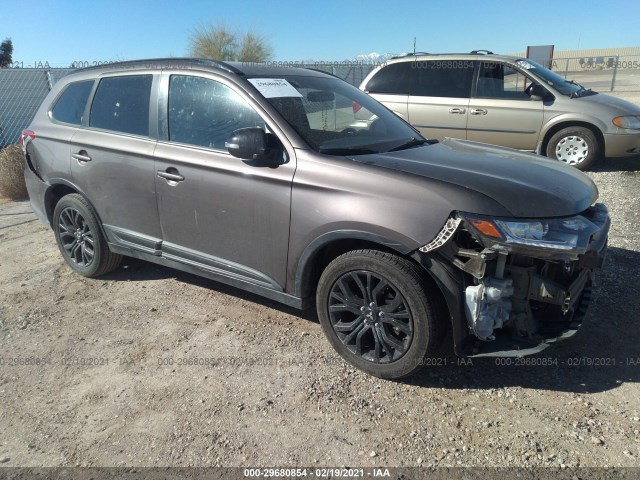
(121, 104)
(69, 108)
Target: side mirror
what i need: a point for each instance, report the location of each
(251, 143)
(537, 92)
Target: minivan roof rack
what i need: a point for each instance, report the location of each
(411, 54)
(473, 52)
(168, 62)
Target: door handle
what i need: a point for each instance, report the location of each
(171, 175)
(478, 111)
(457, 110)
(81, 156)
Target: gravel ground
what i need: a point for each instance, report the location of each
(152, 367)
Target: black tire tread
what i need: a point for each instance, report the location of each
(418, 280)
(109, 260)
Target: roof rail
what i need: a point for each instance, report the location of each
(410, 54)
(167, 62)
(474, 52)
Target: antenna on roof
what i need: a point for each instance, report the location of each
(414, 45)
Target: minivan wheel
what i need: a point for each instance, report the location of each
(377, 314)
(577, 146)
(80, 239)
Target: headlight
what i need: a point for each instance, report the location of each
(628, 122)
(558, 234)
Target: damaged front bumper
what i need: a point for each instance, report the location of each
(523, 284)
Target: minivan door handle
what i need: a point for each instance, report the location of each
(457, 110)
(171, 175)
(478, 111)
(81, 156)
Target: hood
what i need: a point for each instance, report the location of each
(526, 185)
(617, 105)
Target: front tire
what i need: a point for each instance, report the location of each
(377, 314)
(80, 239)
(576, 146)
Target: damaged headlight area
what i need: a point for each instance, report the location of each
(554, 237)
(527, 281)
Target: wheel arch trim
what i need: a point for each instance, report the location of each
(49, 209)
(306, 262)
(561, 122)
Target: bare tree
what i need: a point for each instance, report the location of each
(6, 52)
(221, 43)
(254, 48)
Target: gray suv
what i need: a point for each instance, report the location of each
(508, 101)
(268, 179)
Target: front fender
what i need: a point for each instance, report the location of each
(306, 262)
(573, 119)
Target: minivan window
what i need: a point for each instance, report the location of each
(444, 78)
(396, 78)
(69, 108)
(204, 112)
(121, 104)
(499, 80)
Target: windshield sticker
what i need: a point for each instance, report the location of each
(274, 87)
(524, 64)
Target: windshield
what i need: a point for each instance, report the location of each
(561, 84)
(336, 118)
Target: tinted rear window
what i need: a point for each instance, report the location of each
(121, 104)
(396, 78)
(69, 107)
(444, 78)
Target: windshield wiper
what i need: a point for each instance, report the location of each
(573, 82)
(412, 142)
(347, 151)
(580, 91)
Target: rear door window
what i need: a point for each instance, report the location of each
(69, 108)
(121, 104)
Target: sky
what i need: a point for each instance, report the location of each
(63, 31)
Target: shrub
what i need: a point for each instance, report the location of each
(12, 173)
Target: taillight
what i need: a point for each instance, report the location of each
(356, 107)
(25, 134)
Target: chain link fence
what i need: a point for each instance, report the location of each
(21, 93)
(613, 73)
(353, 73)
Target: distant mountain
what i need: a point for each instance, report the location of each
(373, 57)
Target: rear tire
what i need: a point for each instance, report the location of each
(80, 238)
(377, 314)
(576, 146)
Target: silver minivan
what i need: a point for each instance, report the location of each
(508, 101)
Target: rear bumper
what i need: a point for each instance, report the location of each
(621, 145)
(36, 189)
